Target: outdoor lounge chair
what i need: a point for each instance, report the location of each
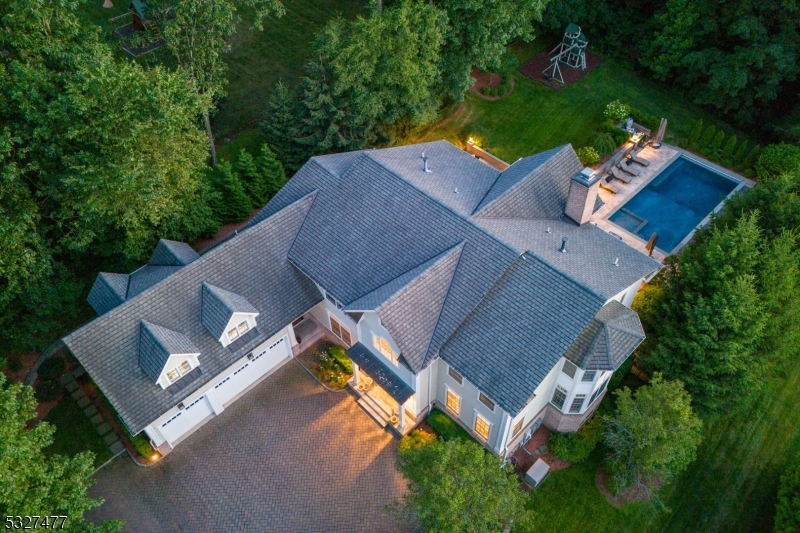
(617, 173)
(640, 160)
(625, 167)
(604, 183)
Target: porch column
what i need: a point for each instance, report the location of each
(355, 375)
(402, 416)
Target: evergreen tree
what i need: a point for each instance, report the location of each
(697, 131)
(739, 155)
(272, 173)
(232, 203)
(713, 149)
(280, 127)
(727, 152)
(252, 180)
(751, 158)
(706, 138)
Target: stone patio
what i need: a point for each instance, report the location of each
(289, 456)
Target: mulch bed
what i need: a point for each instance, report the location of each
(534, 66)
(488, 79)
(310, 359)
(539, 439)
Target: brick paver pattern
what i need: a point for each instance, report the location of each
(289, 456)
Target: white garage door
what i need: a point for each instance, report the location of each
(186, 419)
(249, 372)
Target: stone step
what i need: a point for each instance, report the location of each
(377, 406)
(90, 411)
(368, 407)
(78, 394)
(83, 402)
(96, 419)
(78, 372)
(110, 439)
(72, 386)
(66, 378)
(117, 448)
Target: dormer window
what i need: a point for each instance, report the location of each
(179, 371)
(385, 348)
(165, 355)
(241, 329)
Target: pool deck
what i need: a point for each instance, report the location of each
(659, 159)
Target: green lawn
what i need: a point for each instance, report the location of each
(259, 59)
(74, 432)
(535, 118)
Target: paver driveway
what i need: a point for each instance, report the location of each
(289, 456)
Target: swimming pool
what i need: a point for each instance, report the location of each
(674, 203)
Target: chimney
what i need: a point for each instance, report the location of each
(424, 163)
(563, 249)
(582, 195)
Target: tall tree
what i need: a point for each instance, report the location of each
(478, 34)
(653, 435)
(34, 484)
(196, 32)
(457, 487)
(280, 126)
(272, 173)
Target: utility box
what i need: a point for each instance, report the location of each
(536, 474)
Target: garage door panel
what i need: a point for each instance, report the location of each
(186, 419)
(252, 370)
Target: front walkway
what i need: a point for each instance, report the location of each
(289, 456)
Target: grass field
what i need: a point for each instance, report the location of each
(535, 118)
(74, 432)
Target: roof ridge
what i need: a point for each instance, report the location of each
(567, 276)
(555, 151)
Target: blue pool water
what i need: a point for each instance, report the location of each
(674, 203)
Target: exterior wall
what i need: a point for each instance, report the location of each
(152, 429)
(325, 308)
(369, 325)
(172, 362)
(532, 412)
(470, 405)
(235, 320)
(421, 382)
(626, 296)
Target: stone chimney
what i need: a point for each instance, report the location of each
(582, 195)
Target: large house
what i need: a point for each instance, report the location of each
(486, 293)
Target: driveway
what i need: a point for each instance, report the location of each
(289, 456)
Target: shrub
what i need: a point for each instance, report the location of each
(620, 136)
(14, 364)
(645, 119)
(52, 368)
(415, 439)
(142, 445)
(47, 391)
(588, 156)
(446, 427)
(713, 149)
(727, 152)
(777, 159)
(697, 131)
(340, 356)
(751, 158)
(617, 111)
(576, 447)
(330, 372)
(486, 90)
(740, 154)
(706, 138)
(603, 142)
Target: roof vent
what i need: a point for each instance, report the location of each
(616, 261)
(547, 230)
(425, 163)
(563, 249)
(455, 190)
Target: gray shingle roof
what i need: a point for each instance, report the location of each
(252, 264)
(608, 340)
(147, 276)
(533, 187)
(157, 344)
(219, 306)
(109, 290)
(590, 251)
(516, 335)
(172, 253)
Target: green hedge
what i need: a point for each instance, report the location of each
(340, 356)
(142, 445)
(576, 447)
(52, 368)
(445, 427)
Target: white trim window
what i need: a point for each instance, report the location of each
(384, 347)
(589, 376)
(236, 332)
(559, 397)
(455, 375)
(482, 426)
(340, 330)
(598, 392)
(177, 372)
(452, 401)
(486, 401)
(569, 369)
(518, 426)
(577, 403)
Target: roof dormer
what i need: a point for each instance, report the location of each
(166, 356)
(172, 253)
(226, 315)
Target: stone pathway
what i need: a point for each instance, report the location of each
(102, 428)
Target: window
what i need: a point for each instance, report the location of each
(383, 346)
(569, 369)
(176, 373)
(482, 426)
(599, 391)
(577, 403)
(486, 401)
(233, 334)
(589, 375)
(340, 331)
(453, 402)
(455, 375)
(518, 426)
(333, 300)
(243, 327)
(184, 367)
(559, 397)
(173, 375)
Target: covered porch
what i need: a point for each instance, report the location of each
(381, 393)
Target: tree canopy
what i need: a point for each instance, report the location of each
(33, 483)
(787, 516)
(455, 486)
(653, 435)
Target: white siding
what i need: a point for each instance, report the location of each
(369, 327)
